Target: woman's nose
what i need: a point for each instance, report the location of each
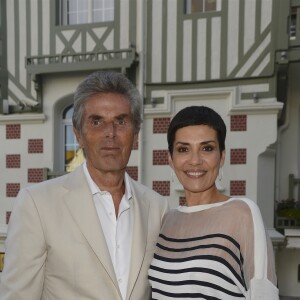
(196, 157)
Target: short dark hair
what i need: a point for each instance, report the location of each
(102, 82)
(197, 115)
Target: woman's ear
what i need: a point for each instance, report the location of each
(222, 158)
(170, 160)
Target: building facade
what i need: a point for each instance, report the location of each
(239, 57)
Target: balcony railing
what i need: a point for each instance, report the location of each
(123, 58)
(288, 211)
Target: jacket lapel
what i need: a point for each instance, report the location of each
(139, 237)
(81, 206)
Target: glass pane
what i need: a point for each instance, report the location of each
(68, 113)
(98, 16)
(72, 19)
(293, 23)
(98, 4)
(210, 5)
(70, 144)
(72, 5)
(82, 17)
(86, 11)
(109, 16)
(82, 5)
(197, 6)
(200, 6)
(109, 3)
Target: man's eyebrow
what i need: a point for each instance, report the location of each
(122, 116)
(95, 116)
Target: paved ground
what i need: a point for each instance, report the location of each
(289, 298)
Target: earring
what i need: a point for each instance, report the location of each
(220, 174)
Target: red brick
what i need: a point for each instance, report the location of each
(238, 123)
(13, 161)
(12, 189)
(35, 146)
(238, 156)
(160, 157)
(161, 187)
(238, 187)
(13, 131)
(182, 201)
(161, 125)
(35, 175)
(132, 172)
(8, 213)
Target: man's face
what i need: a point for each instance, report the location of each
(107, 134)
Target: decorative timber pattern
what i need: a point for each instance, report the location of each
(39, 45)
(235, 41)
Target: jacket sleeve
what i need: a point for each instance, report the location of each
(25, 252)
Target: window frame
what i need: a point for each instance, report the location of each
(63, 12)
(188, 8)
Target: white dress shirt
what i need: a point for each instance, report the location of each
(117, 231)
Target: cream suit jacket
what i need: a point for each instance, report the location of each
(56, 249)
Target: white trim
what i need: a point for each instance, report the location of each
(22, 118)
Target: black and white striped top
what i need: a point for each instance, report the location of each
(207, 252)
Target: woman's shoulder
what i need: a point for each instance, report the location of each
(245, 205)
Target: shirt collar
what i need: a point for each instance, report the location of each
(95, 189)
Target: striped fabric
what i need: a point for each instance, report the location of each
(203, 252)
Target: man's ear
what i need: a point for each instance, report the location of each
(170, 160)
(78, 136)
(135, 138)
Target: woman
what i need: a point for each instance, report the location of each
(215, 247)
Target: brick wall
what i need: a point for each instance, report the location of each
(162, 187)
(160, 157)
(13, 161)
(238, 156)
(132, 172)
(238, 123)
(160, 125)
(35, 146)
(13, 131)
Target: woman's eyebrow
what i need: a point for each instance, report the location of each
(202, 143)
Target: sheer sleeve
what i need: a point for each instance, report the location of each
(259, 263)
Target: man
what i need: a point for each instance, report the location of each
(89, 234)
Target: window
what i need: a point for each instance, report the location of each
(293, 23)
(201, 6)
(74, 12)
(72, 153)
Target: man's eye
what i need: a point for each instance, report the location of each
(121, 122)
(95, 123)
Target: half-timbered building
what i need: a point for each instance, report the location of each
(240, 57)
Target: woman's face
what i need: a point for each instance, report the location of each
(196, 158)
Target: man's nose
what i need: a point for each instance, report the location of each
(110, 129)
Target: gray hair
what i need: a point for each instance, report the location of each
(106, 82)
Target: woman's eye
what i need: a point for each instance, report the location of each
(182, 149)
(208, 148)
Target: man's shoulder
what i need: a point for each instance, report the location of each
(142, 187)
(54, 183)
